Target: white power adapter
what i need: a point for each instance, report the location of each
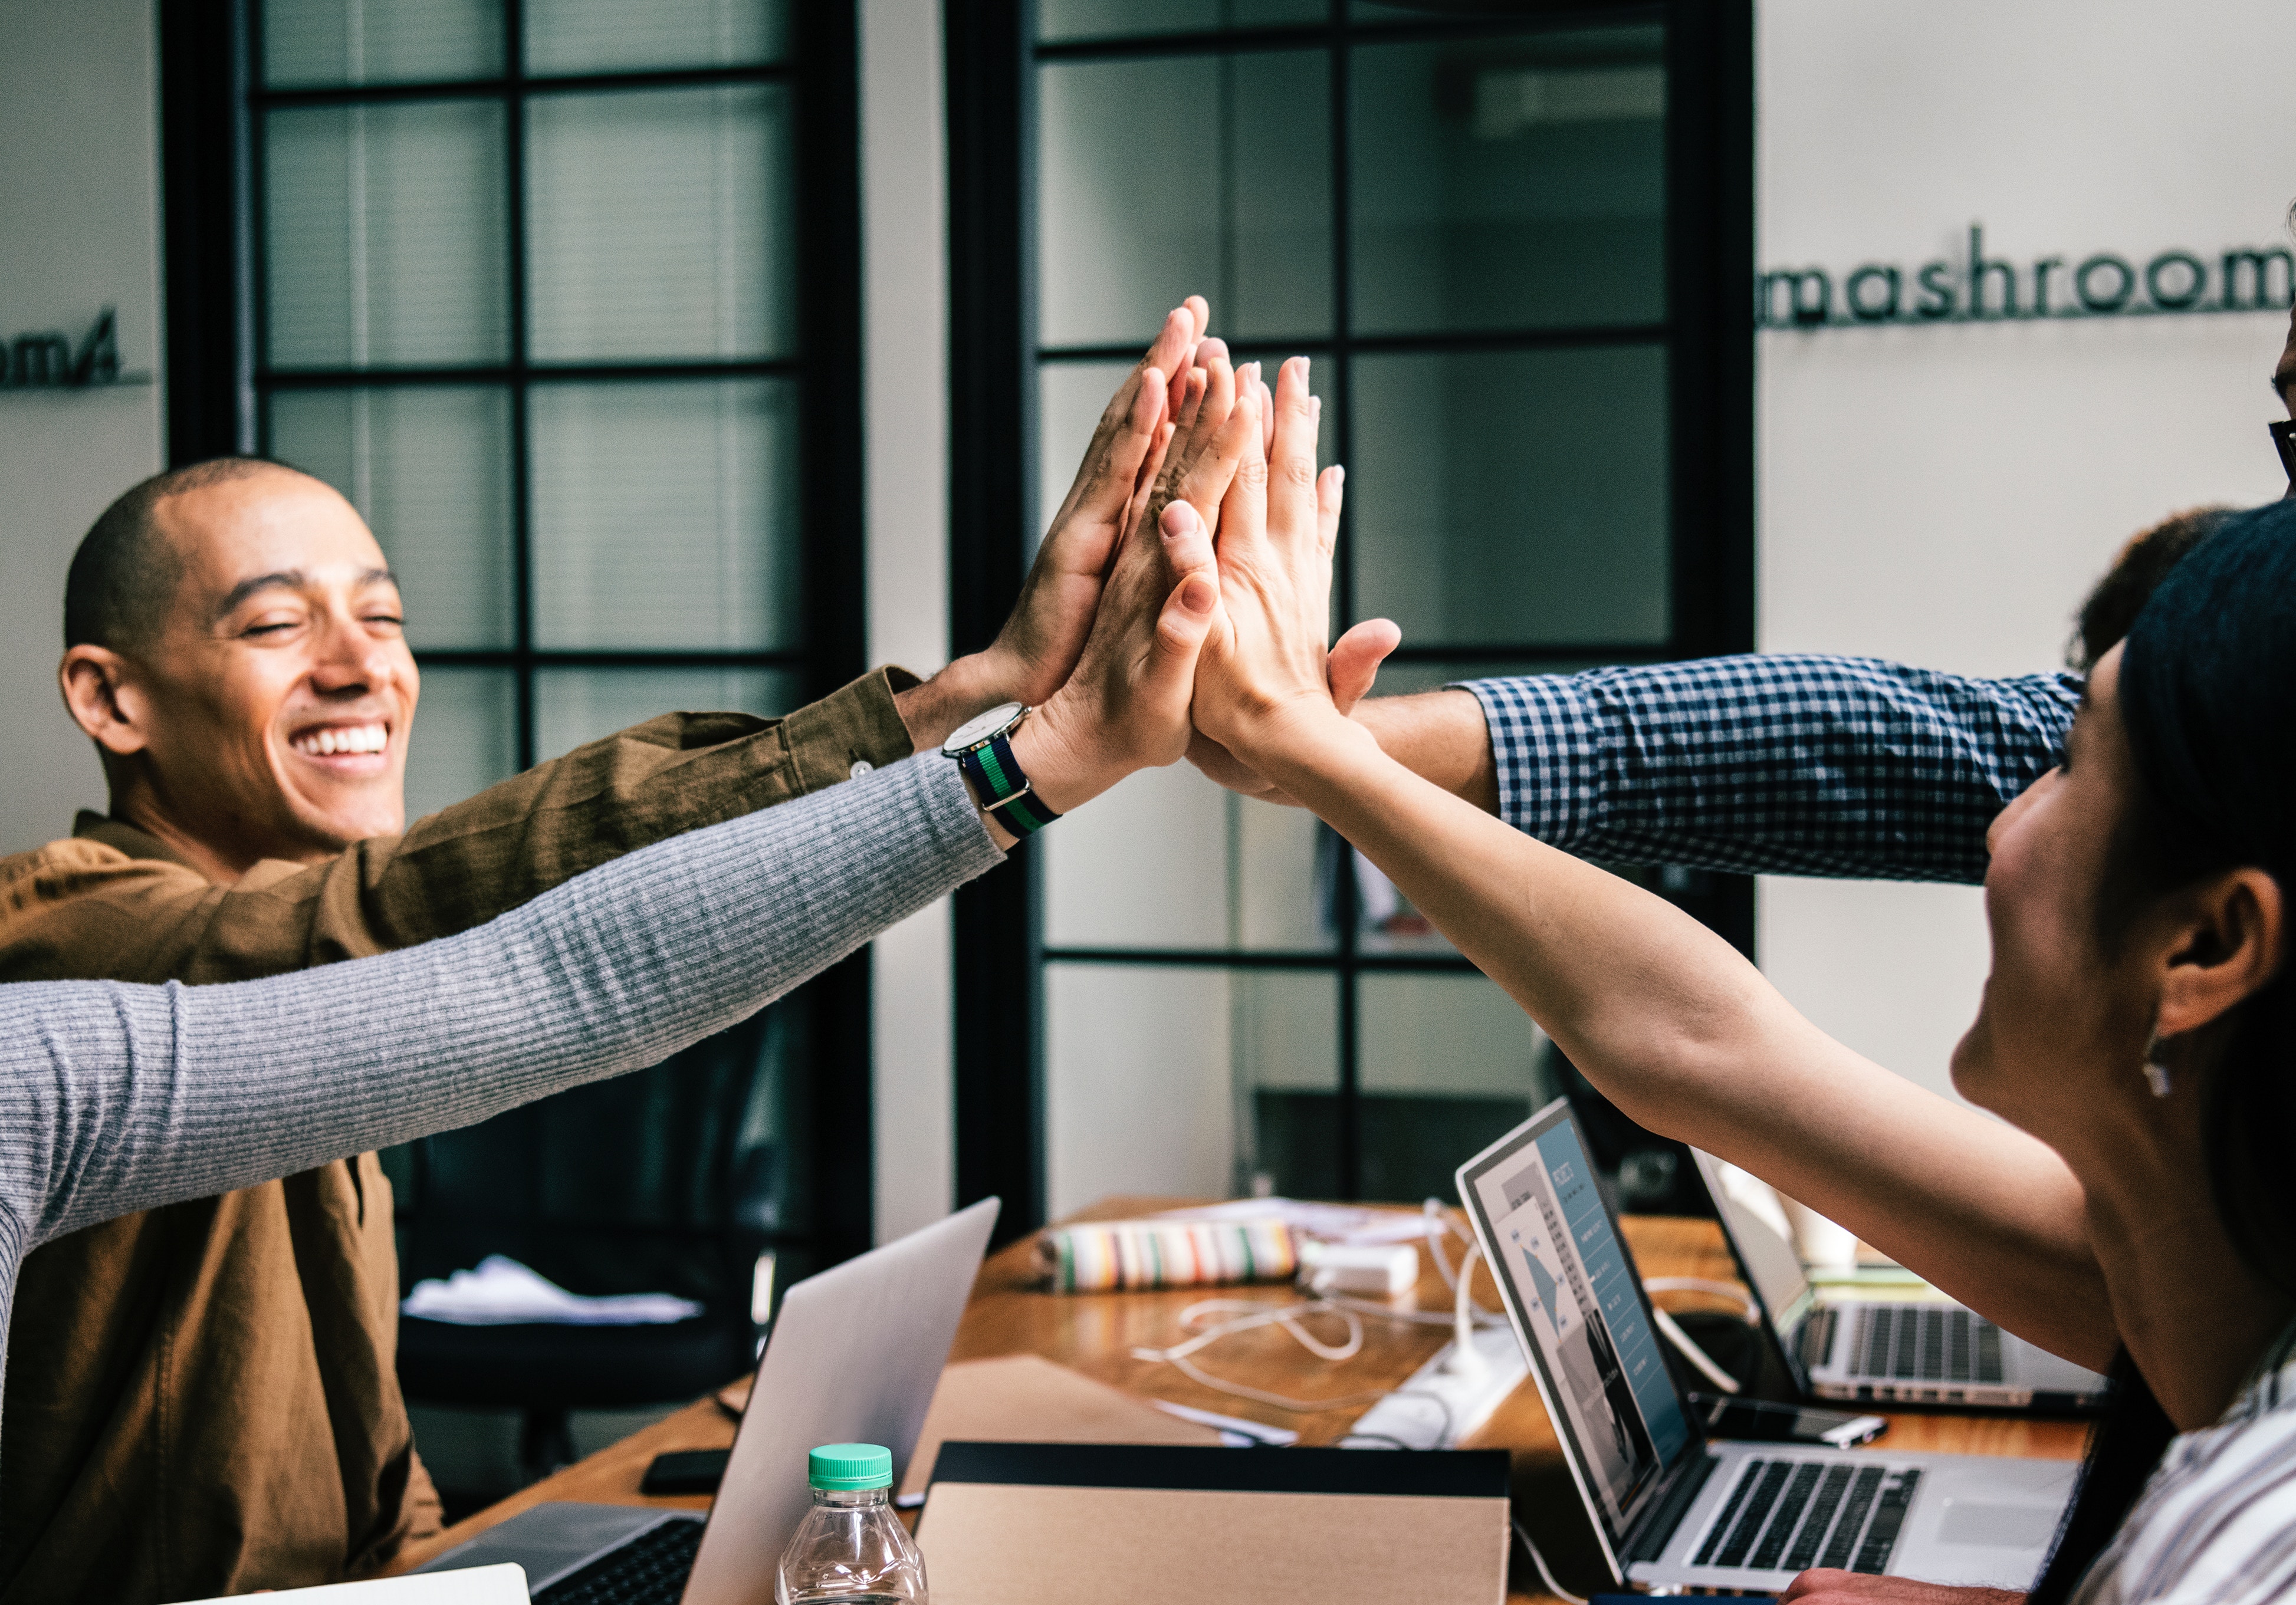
(1368, 1270)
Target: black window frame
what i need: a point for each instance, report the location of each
(212, 102)
(1709, 336)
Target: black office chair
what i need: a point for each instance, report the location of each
(671, 1180)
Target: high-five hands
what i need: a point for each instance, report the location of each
(1351, 665)
(1264, 681)
(1127, 705)
(1127, 589)
(1039, 645)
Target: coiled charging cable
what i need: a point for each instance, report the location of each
(1682, 1340)
(1244, 1315)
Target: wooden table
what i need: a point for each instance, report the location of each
(1096, 1334)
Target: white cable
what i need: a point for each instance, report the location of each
(1693, 1354)
(1544, 1575)
(1249, 1314)
(1188, 1368)
(1466, 1359)
(1439, 1225)
(1464, 1317)
(1731, 1291)
(1365, 1306)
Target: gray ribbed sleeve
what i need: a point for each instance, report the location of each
(116, 1098)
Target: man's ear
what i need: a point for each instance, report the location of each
(2232, 942)
(100, 692)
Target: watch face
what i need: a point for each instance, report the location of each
(974, 731)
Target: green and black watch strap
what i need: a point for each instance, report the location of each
(1003, 789)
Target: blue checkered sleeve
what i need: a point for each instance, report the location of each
(1794, 765)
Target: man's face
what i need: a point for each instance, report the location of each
(282, 693)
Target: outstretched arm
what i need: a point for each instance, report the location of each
(1664, 1016)
(116, 1098)
(1796, 764)
(119, 1097)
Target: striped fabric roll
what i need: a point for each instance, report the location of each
(1164, 1253)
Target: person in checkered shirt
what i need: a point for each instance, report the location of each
(1792, 764)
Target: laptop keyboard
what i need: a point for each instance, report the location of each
(1789, 1515)
(649, 1569)
(1815, 1339)
(1908, 1343)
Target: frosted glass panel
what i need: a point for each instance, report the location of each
(385, 226)
(572, 706)
(1512, 498)
(1138, 1097)
(662, 225)
(1448, 1065)
(1108, 18)
(1132, 216)
(1170, 860)
(429, 468)
(316, 44)
(1449, 1034)
(665, 515)
(1509, 183)
(465, 737)
(1285, 1029)
(613, 36)
(1069, 396)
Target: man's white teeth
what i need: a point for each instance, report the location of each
(356, 738)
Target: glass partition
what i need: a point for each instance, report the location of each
(1463, 221)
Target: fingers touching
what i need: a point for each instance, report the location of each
(1291, 455)
(1186, 620)
(1352, 665)
(1126, 429)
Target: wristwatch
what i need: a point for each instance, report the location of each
(982, 751)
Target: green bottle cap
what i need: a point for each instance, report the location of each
(846, 1467)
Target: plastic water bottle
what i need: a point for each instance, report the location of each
(851, 1549)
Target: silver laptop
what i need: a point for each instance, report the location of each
(1670, 1507)
(1909, 1352)
(854, 1356)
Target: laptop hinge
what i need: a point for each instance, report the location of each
(1647, 1539)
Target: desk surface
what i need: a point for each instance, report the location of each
(1096, 1334)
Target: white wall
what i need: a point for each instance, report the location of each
(904, 202)
(1946, 495)
(79, 191)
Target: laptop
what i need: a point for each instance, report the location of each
(1909, 1352)
(1671, 1509)
(854, 1356)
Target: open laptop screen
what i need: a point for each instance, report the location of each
(1574, 1290)
(1764, 1252)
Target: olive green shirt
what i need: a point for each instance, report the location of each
(201, 1399)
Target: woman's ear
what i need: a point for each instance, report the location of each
(2230, 940)
(100, 692)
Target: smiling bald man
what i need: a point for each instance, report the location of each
(201, 1399)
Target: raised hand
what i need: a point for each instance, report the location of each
(1127, 706)
(1039, 647)
(1264, 666)
(1350, 669)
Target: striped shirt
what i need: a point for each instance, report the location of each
(1789, 764)
(2218, 1521)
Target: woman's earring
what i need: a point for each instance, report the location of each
(2156, 1068)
